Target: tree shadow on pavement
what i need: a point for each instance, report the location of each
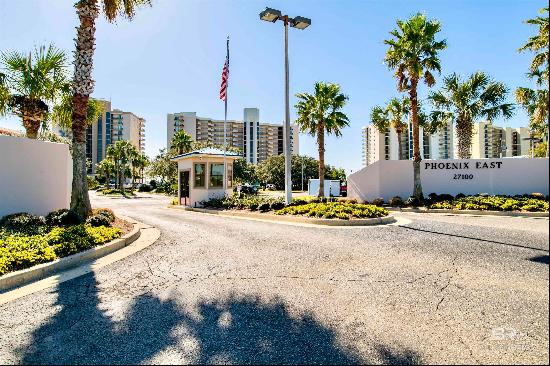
(237, 330)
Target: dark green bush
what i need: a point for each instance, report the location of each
(105, 211)
(378, 202)
(63, 217)
(460, 195)
(277, 205)
(144, 188)
(264, 207)
(396, 201)
(413, 202)
(153, 184)
(98, 220)
(23, 222)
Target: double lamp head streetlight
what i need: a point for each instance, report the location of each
(272, 15)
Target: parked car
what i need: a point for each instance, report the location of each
(270, 187)
(246, 189)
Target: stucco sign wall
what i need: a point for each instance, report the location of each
(35, 176)
(388, 178)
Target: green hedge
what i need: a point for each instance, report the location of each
(335, 210)
(494, 203)
(20, 251)
(249, 202)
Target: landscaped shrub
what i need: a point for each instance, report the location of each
(378, 202)
(396, 201)
(537, 195)
(104, 211)
(20, 251)
(92, 183)
(153, 184)
(412, 202)
(460, 195)
(264, 207)
(144, 188)
(98, 220)
(277, 205)
(338, 210)
(23, 222)
(101, 217)
(74, 239)
(494, 203)
(63, 217)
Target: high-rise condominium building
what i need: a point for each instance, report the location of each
(257, 141)
(385, 145)
(111, 126)
(488, 141)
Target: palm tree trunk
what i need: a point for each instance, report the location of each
(321, 144)
(83, 86)
(464, 134)
(32, 123)
(417, 189)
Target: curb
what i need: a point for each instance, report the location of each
(293, 219)
(469, 212)
(41, 271)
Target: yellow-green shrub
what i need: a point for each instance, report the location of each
(340, 210)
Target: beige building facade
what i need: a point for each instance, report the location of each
(256, 140)
(488, 141)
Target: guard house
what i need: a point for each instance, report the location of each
(201, 175)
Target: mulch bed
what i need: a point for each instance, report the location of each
(125, 226)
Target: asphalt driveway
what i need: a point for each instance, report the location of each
(431, 289)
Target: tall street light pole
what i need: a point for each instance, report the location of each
(272, 15)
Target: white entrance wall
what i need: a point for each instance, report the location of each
(35, 176)
(508, 176)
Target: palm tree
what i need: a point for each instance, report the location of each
(121, 153)
(62, 112)
(394, 115)
(83, 86)
(182, 142)
(413, 54)
(29, 83)
(321, 112)
(538, 44)
(106, 167)
(535, 101)
(139, 161)
(462, 102)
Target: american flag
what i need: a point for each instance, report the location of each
(225, 77)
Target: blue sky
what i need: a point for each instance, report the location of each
(169, 58)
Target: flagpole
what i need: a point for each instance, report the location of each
(225, 128)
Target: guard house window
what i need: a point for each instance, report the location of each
(216, 175)
(200, 175)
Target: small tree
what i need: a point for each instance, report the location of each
(29, 83)
(320, 113)
(463, 102)
(413, 54)
(393, 115)
(182, 142)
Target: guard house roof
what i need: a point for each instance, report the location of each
(209, 151)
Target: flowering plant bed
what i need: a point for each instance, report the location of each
(494, 203)
(311, 207)
(27, 240)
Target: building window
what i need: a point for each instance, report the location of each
(200, 178)
(229, 175)
(216, 175)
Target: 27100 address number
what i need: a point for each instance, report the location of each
(463, 176)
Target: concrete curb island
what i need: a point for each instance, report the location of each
(469, 212)
(290, 218)
(39, 272)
